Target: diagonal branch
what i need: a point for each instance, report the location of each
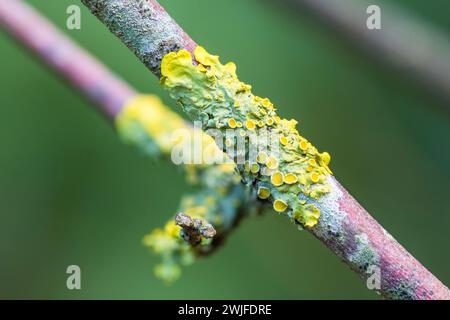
(344, 226)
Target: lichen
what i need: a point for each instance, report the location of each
(219, 205)
(403, 290)
(218, 197)
(364, 254)
(330, 227)
(295, 174)
(145, 122)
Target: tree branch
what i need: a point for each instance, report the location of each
(403, 42)
(103, 88)
(344, 226)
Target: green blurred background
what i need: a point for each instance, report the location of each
(71, 193)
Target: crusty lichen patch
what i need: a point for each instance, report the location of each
(294, 175)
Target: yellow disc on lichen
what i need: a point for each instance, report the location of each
(272, 162)
(283, 140)
(254, 168)
(279, 205)
(269, 121)
(232, 123)
(239, 124)
(314, 177)
(261, 157)
(303, 145)
(312, 162)
(247, 166)
(277, 178)
(260, 123)
(290, 178)
(263, 192)
(250, 124)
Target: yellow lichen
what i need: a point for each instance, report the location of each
(172, 229)
(261, 157)
(263, 192)
(303, 145)
(145, 122)
(308, 215)
(325, 156)
(277, 178)
(272, 162)
(283, 140)
(232, 123)
(279, 205)
(297, 163)
(269, 121)
(153, 117)
(145, 119)
(247, 166)
(254, 168)
(290, 178)
(250, 124)
(314, 177)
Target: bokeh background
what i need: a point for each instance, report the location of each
(71, 193)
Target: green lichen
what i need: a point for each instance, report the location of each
(364, 255)
(219, 205)
(219, 198)
(294, 175)
(402, 290)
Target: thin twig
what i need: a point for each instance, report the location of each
(344, 226)
(405, 42)
(106, 90)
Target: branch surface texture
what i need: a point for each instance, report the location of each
(344, 226)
